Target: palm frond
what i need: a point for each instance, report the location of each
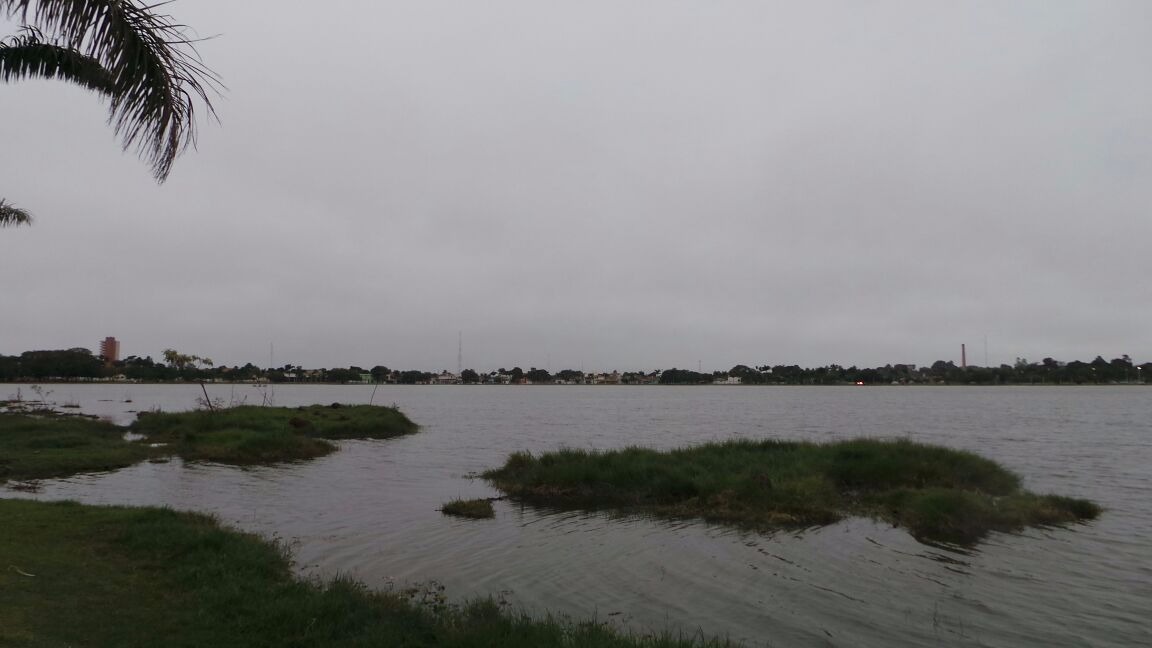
(12, 215)
(28, 56)
(158, 78)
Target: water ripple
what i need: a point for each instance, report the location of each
(371, 510)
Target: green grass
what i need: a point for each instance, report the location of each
(36, 447)
(76, 575)
(41, 444)
(257, 435)
(938, 494)
(473, 508)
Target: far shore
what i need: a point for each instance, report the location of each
(257, 383)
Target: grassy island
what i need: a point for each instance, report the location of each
(477, 509)
(938, 494)
(78, 575)
(252, 435)
(42, 444)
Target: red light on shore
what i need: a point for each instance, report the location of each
(860, 383)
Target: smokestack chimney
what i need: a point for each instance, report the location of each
(963, 357)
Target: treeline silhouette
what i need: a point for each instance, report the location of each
(1048, 371)
(82, 364)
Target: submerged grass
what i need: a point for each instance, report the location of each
(115, 576)
(474, 508)
(41, 444)
(938, 494)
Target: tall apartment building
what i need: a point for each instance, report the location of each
(110, 349)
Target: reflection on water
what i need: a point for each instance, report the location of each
(371, 510)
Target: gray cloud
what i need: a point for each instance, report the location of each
(618, 185)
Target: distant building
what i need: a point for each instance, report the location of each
(603, 378)
(110, 349)
(447, 378)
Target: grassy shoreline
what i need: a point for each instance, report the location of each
(120, 576)
(938, 494)
(41, 444)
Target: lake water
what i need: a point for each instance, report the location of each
(370, 510)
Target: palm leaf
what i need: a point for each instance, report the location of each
(12, 215)
(27, 56)
(157, 77)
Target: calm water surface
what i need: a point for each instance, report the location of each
(370, 510)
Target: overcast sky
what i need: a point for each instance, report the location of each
(609, 185)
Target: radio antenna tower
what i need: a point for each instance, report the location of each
(460, 353)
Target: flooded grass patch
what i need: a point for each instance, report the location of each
(46, 445)
(476, 509)
(256, 435)
(41, 444)
(937, 493)
(117, 576)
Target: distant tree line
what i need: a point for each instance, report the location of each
(1048, 371)
(81, 364)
